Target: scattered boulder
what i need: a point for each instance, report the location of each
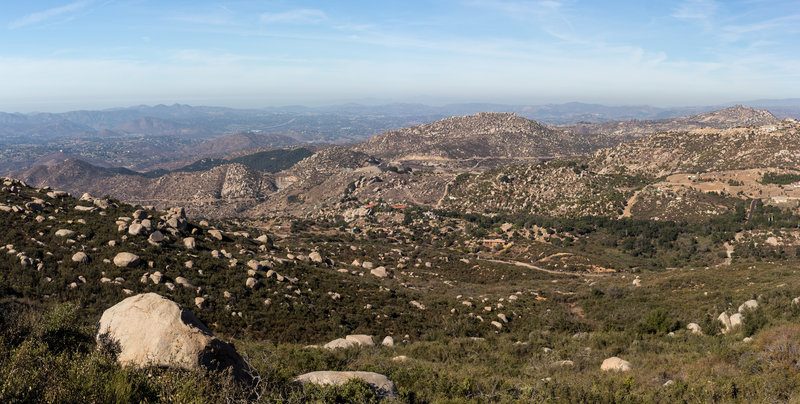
(361, 339)
(388, 341)
(156, 237)
(101, 203)
(379, 383)
(189, 243)
(315, 257)
(135, 229)
(380, 272)
(216, 234)
(726, 322)
(748, 305)
(80, 257)
(339, 343)
(350, 341)
(694, 328)
(252, 283)
(615, 364)
(64, 233)
(417, 304)
(736, 320)
(184, 282)
(126, 259)
(156, 277)
(150, 330)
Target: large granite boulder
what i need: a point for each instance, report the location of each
(151, 330)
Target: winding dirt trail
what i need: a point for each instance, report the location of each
(536, 268)
(627, 211)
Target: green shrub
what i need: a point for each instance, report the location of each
(657, 321)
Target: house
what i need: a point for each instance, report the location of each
(493, 242)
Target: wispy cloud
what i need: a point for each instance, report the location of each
(42, 16)
(782, 25)
(212, 58)
(296, 16)
(523, 9)
(220, 16)
(696, 10)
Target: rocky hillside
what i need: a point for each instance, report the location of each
(701, 150)
(612, 133)
(154, 126)
(221, 191)
(556, 188)
(482, 135)
(613, 180)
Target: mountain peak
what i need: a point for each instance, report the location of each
(737, 115)
(485, 134)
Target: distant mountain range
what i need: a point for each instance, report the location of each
(415, 165)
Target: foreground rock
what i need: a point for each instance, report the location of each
(379, 383)
(150, 330)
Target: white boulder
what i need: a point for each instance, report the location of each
(150, 330)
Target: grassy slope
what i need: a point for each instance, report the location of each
(47, 350)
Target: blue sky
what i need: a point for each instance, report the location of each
(61, 55)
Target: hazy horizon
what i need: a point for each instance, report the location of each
(91, 54)
(421, 102)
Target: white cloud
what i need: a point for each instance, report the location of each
(296, 16)
(42, 16)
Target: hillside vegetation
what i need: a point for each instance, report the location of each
(484, 327)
